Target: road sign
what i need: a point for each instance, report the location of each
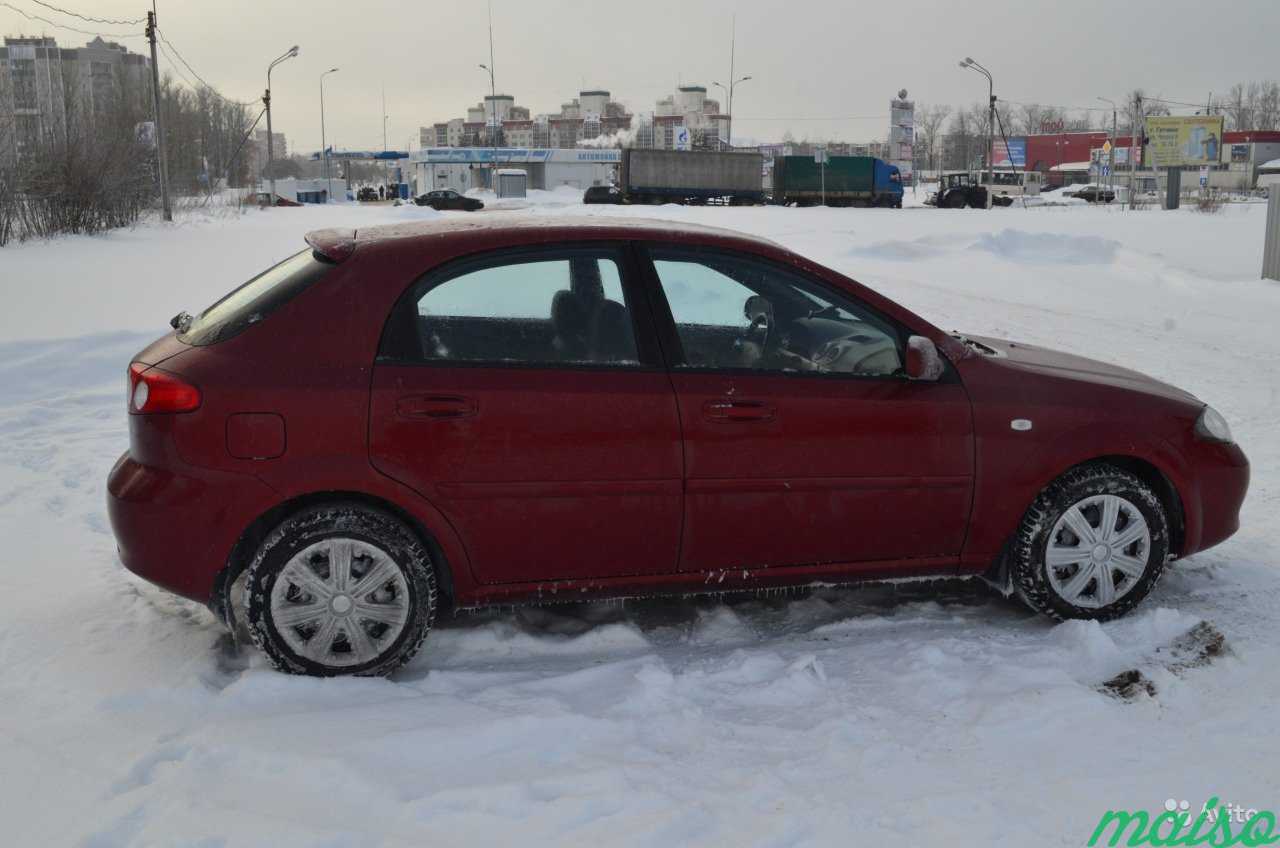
(1204, 176)
(1106, 170)
(820, 157)
(1106, 146)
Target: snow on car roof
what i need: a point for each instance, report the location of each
(1273, 165)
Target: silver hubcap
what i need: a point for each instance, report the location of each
(340, 602)
(1098, 551)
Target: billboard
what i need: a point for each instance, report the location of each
(1010, 155)
(1099, 155)
(1185, 140)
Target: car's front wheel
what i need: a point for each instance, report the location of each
(340, 589)
(1092, 545)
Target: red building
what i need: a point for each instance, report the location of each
(1047, 151)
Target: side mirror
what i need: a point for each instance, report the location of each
(923, 360)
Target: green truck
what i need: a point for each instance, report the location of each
(842, 181)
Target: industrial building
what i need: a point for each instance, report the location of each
(466, 168)
(42, 84)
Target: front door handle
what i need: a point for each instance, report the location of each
(738, 410)
(432, 407)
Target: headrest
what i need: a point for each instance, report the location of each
(568, 313)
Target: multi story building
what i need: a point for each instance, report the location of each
(498, 122)
(688, 107)
(44, 87)
(258, 150)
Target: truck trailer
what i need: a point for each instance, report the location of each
(843, 181)
(677, 176)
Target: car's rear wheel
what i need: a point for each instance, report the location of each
(340, 589)
(1092, 545)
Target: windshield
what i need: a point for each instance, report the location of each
(256, 299)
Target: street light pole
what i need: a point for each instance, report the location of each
(266, 101)
(491, 128)
(733, 83)
(324, 149)
(991, 124)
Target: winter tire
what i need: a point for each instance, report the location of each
(1092, 545)
(340, 590)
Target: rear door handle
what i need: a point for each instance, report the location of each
(738, 410)
(419, 407)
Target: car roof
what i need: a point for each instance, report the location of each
(535, 229)
(437, 240)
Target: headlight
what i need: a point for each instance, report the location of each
(1212, 426)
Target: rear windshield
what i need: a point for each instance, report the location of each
(256, 299)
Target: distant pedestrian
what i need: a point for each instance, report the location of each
(382, 192)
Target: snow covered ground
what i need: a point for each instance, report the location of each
(906, 714)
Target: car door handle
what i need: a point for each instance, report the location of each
(738, 410)
(417, 407)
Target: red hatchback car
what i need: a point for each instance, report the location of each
(449, 415)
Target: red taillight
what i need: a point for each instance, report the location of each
(152, 390)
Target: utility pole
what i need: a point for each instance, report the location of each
(266, 101)
(991, 125)
(733, 83)
(493, 128)
(386, 168)
(324, 150)
(1134, 136)
(166, 208)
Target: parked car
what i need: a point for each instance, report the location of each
(448, 199)
(603, 194)
(537, 410)
(367, 194)
(1095, 194)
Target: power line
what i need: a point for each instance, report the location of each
(174, 66)
(32, 17)
(87, 18)
(165, 39)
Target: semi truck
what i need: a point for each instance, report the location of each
(842, 181)
(677, 176)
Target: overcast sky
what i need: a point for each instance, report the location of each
(821, 68)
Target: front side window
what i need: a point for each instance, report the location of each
(736, 312)
(570, 309)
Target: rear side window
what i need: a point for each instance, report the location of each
(256, 299)
(569, 308)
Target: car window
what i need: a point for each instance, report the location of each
(256, 299)
(569, 309)
(739, 312)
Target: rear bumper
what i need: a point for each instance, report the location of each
(176, 527)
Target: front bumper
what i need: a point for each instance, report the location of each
(1221, 483)
(176, 527)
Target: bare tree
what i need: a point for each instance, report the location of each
(1236, 107)
(929, 123)
(960, 141)
(1266, 105)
